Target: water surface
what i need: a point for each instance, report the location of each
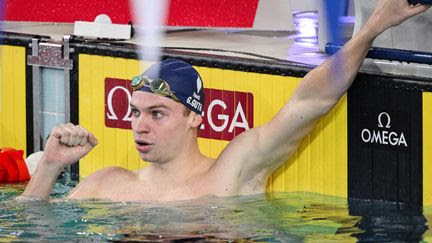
(278, 217)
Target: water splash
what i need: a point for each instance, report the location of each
(149, 19)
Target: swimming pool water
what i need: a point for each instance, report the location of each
(278, 217)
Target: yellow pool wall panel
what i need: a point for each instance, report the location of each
(320, 163)
(427, 148)
(13, 97)
(427, 162)
(310, 169)
(116, 146)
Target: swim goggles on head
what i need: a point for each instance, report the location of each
(157, 86)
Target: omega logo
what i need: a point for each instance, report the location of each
(111, 114)
(225, 113)
(380, 124)
(383, 135)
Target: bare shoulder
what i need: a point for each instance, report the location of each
(109, 174)
(106, 179)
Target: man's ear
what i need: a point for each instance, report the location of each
(195, 119)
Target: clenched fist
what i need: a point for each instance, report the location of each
(67, 144)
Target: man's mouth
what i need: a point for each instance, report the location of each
(143, 146)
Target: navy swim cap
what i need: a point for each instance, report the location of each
(184, 81)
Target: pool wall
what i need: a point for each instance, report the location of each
(376, 142)
(13, 91)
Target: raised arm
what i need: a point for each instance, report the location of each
(258, 152)
(66, 145)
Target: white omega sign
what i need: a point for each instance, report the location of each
(383, 135)
(111, 114)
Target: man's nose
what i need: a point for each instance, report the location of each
(141, 125)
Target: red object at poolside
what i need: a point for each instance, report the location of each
(12, 166)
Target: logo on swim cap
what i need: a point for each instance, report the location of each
(199, 84)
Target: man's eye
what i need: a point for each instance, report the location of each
(157, 114)
(135, 112)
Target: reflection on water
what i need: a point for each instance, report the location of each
(389, 222)
(281, 217)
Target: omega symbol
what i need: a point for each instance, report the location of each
(111, 114)
(380, 117)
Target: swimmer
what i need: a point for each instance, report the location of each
(166, 108)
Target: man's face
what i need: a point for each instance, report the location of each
(159, 126)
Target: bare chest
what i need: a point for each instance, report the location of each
(142, 191)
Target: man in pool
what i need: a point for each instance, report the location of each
(166, 114)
